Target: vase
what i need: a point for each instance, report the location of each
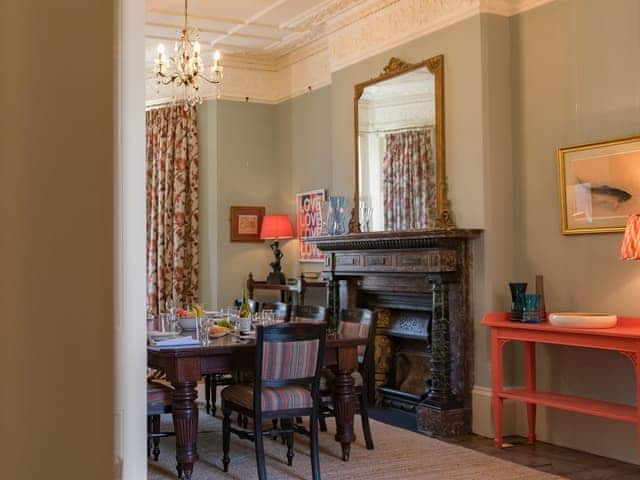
(336, 216)
(531, 313)
(518, 291)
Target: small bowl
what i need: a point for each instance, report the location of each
(187, 323)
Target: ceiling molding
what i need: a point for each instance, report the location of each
(302, 52)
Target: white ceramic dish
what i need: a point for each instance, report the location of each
(187, 323)
(583, 320)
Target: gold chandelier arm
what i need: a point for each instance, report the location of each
(185, 15)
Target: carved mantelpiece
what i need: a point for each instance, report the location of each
(401, 274)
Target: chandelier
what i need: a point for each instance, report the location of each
(186, 68)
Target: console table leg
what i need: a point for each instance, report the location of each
(496, 381)
(530, 372)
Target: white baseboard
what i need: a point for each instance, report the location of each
(599, 436)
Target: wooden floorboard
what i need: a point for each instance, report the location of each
(564, 462)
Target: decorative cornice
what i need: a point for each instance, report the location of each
(336, 34)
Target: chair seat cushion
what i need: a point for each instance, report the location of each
(158, 395)
(327, 380)
(276, 398)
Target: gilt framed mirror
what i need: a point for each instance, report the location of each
(400, 176)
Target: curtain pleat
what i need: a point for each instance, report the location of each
(408, 179)
(172, 207)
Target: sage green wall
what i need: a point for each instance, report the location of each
(576, 79)
(240, 169)
(303, 148)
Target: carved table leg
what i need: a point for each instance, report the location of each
(185, 423)
(344, 402)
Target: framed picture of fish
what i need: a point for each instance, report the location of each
(599, 185)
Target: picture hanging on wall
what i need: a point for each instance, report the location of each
(246, 223)
(599, 185)
(309, 224)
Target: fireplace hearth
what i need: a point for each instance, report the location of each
(417, 282)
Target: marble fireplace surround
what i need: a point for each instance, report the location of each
(433, 268)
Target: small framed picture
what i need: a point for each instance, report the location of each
(246, 223)
(309, 224)
(599, 185)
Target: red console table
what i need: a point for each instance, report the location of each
(623, 338)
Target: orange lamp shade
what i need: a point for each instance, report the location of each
(276, 227)
(630, 249)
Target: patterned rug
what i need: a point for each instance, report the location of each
(399, 454)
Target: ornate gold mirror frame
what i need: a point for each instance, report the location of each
(395, 67)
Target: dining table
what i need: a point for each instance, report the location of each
(184, 367)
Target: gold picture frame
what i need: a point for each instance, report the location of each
(396, 67)
(599, 185)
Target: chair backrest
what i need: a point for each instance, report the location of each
(288, 354)
(281, 309)
(253, 305)
(309, 314)
(359, 322)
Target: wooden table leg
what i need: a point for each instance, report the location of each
(344, 401)
(496, 387)
(530, 374)
(185, 423)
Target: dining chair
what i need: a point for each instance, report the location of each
(358, 322)
(282, 389)
(308, 313)
(158, 403)
(213, 381)
(281, 309)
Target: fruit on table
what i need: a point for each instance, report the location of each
(197, 310)
(182, 313)
(224, 323)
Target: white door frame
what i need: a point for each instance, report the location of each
(130, 237)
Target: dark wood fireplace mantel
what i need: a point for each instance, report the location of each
(426, 272)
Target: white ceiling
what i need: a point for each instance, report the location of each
(260, 28)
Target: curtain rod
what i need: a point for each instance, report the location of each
(400, 129)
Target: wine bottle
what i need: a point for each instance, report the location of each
(245, 310)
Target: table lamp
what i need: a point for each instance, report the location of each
(276, 228)
(630, 249)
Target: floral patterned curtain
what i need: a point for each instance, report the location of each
(172, 207)
(408, 180)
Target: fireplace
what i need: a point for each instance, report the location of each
(417, 282)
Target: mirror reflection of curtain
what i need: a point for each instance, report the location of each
(172, 207)
(408, 173)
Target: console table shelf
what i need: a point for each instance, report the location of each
(614, 411)
(624, 338)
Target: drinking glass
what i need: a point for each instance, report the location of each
(163, 323)
(202, 330)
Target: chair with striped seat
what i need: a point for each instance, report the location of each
(158, 403)
(355, 322)
(285, 386)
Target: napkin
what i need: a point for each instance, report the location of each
(175, 342)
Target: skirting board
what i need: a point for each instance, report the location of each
(608, 438)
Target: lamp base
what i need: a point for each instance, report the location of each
(276, 278)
